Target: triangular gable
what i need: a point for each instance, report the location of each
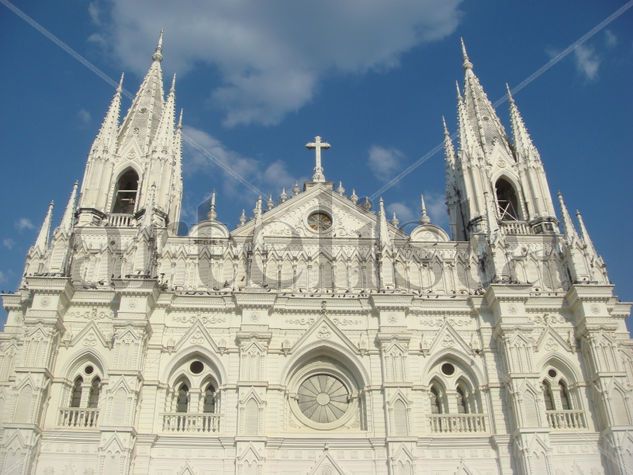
(252, 394)
(403, 453)
(287, 218)
(197, 335)
(187, 469)
(550, 338)
(113, 445)
(15, 442)
(447, 337)
(326, 461)
(91, 333)
(324, 330)
(250, 454)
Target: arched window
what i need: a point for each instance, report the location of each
(436, 400)
(507, 200)
(209, 399)
(75, 397)
(126, 193)
(548, 396)
(462, 400)
(565, 400)
(95, 390)
(182, 400)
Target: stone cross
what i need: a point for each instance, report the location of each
(317, 145)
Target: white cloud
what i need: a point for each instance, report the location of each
(95, 13)
(8, 243)
(24, 224)
(384, 162)
(273, 176)
(587, 61)
(84, 117)
(272, 55)
(610, 38)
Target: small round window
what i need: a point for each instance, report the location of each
(319, 221)
(448, 369)
(196, 367)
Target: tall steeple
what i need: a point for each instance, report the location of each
(141, 121)
(584, 235)
(479, 109)
(61, 245)
(105, 142)
(570, 230)
(522, 140)
(41, 242)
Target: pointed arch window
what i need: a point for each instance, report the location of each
(95, 390)
(436, 400)
(507, 200)
(125, 196)
(209, 399)
(75, 396)
(548, 396)
(462, 400)
(565, 400)
(182, 399)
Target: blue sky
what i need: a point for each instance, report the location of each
(258, 80)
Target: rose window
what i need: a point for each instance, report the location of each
(323, 398)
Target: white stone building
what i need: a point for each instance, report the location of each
(316, 337)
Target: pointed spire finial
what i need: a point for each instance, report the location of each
(243, 218)
(354, 196)
(67, 220)
(158, 52)
(120, 86)
(570, 229)
(424, 217)
(509, 94)
(212, 211)
(172, 89)
(284, 196)
(180, 119)
(270, 204)
(394, 220)
(41, 243)
(296, 189)
(340, 190)
(467, 63)
(584, 234)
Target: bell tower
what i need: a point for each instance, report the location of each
(127, 159)
(488, 165)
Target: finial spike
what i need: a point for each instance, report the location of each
(158, 52)
(180, 119)
(119, 88)
(509, 94)
(213, 215)
(467, 63)
(172, 89)
(243, 218)
(424, 217)
(570, 229)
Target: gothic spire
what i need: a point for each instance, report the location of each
(106, 138)
(522, 140)
(467, 139)
(144, 114)
(164, 137)
(479, 108)
(449, 156)
(212, 215)
(424, 217)
(584, 235)
(66, 224)
(385, 239)
(570, 229)
(41, 243)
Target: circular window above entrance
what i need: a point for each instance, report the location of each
(323, 398)
(319, 221)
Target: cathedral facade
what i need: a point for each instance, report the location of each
(318, 336)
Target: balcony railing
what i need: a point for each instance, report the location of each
(78, 417)
(567, 420)
(516, 227)
(457, 423)
(181, 422)
(120, 220)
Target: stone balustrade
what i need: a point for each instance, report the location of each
(572, 419)
(181, 422)
(457, 423)
(78, 417)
